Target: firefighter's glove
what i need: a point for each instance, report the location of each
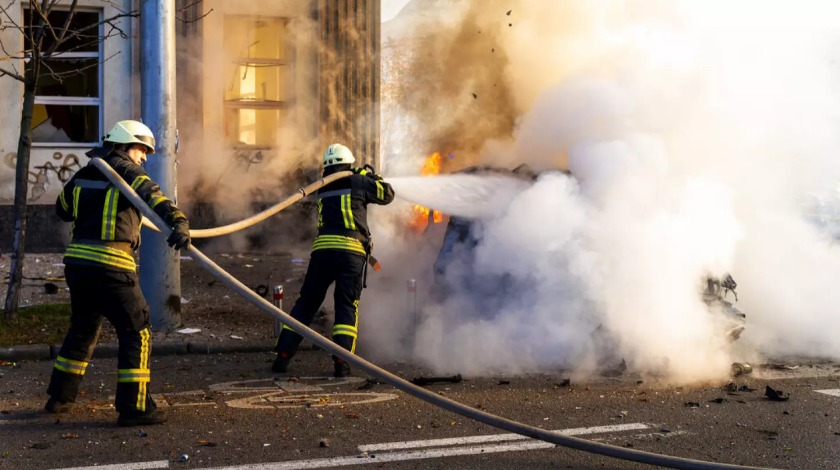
(368, 170)
(179, 239)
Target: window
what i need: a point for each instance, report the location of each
(68, 99)
(257, 78)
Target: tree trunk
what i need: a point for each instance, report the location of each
(21, 192)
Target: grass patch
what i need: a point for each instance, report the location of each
(38, 324)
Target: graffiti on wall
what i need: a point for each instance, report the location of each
(246, 158)
(49, 176)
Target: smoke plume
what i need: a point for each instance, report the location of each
(700, 139)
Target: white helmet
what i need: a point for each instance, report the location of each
(132, 132)
(337, 154)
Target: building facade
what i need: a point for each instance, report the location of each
(262, 87)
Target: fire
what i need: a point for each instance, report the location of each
(431, 166)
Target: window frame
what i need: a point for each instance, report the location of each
(98, 101)
(285, 65)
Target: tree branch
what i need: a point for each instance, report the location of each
(14, 75)
(60, 76)
(66, 27)
(187, 7)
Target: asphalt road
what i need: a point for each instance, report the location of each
(229, 410)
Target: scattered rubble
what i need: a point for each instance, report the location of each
(421, 381)
(775, 395)
(739, 368)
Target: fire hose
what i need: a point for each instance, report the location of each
(257, 218)
(400, 383)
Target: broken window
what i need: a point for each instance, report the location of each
(68, 98)
(257, 77)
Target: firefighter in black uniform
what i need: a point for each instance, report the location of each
(339, 254)
(101, 273)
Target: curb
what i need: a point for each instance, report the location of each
(44, 352)
(26, 351)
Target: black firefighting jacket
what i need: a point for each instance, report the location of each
(106, 226)
(342, 210)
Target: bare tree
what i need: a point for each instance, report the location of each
(43, 40)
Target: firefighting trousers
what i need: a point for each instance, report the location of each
(97, 293)
(346, 269)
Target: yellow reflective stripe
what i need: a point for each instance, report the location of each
(145, 362)
(347, 212)
(76, 191)
(338, 238)
(349, 331)
(70, 366)
(320, 214)
(101, 254)
(63, 201)
(360, 251)
(145, 347)
(109, 214)
(380, 190)
(117, 263)
(102, 249)
(355, 324)
(133, 375)
(138, 181)
(141, 375)
(338, 242)
(157, 200)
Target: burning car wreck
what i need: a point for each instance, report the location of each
(476, 293)
(454, 266)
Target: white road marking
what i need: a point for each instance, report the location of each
(391, 457)
(366, 458)
(495, 438)
(835, 392)
(125, 466)
(641, 437)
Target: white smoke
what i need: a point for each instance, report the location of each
(696, 133)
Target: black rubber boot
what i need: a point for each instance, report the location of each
(56, 406)
(342, 369)
(142, 419)
(281, 365)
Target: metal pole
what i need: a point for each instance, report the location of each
(278, 302)
(411, 296)
(160, 276)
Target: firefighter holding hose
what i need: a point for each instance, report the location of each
(340, 255)
(102, 275)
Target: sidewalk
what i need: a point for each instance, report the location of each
(42, 352)
(225, 322)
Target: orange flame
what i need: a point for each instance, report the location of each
(431, 166)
